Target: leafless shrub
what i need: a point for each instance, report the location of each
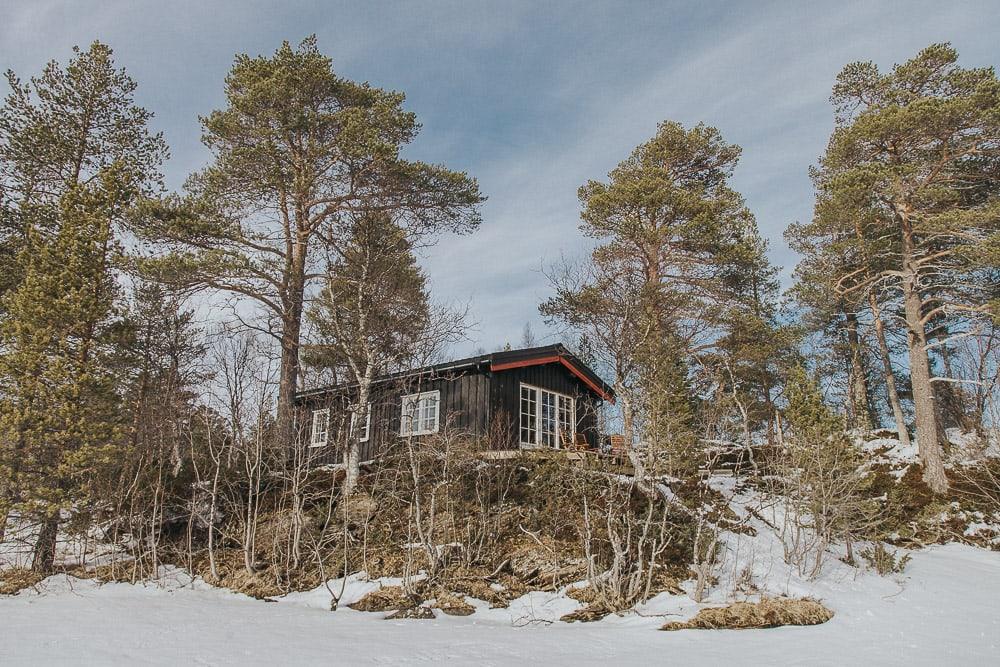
(884, 561)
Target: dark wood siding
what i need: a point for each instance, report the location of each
(464, 406)
(506, 387)
(470, 401)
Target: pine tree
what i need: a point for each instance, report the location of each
(61, 418)
(60, 130)
(748, 362)
(167, 427)
(679, 255)
(166, 366)
(296, 150)
(916, 150)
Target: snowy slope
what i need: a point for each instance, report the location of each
(945, 612)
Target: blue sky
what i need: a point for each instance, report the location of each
(533, 99)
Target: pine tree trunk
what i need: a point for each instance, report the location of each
(288, 381)
(926, 418)
(287, 387)
(887, 373)
(859, 397)
(925, 410)
(44, 557)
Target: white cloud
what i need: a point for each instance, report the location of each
(531, 99)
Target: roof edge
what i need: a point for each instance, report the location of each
(498, 361)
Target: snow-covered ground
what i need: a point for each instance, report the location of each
(946, 610)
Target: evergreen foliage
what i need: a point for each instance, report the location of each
(911, 173)
(63, 129)
(61, 417)
(681, 271)
(374, 307)
(295, 150)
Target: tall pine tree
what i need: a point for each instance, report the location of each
(679, 253)
(60, 422)
(916, 150)
(60, 130)
(296, 150)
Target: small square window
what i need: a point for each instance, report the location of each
(420, 413)
(366, 430)
(320, 428)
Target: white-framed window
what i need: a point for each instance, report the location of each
(367, 429)
(419, 414)
(546, 417)
(320, 428)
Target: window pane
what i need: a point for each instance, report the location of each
(365, 428)
(547, 426)
(528, 416)
(319, 427)
(567, 427)
(426, 417)
(406, 424)
(420, 414)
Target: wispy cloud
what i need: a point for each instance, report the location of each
(532, 99)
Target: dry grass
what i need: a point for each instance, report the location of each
(480, 583)
(268, 581)
(386, 559)
(768, 613)
(584, 594)
(482, 590)
(388, 598)
(16, 579)
(593, 612)
(453, 605)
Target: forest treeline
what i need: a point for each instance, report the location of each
(177, 439)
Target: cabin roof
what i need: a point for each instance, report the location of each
(500, 361)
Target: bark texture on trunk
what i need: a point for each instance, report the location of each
(888, 375)
(288, 382)
(352, 458)
(44, 558)
(924, 407)
(859, 400)
(287, 387)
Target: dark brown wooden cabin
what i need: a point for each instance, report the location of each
(539, 397)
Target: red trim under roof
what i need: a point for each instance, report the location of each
(539, 361)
